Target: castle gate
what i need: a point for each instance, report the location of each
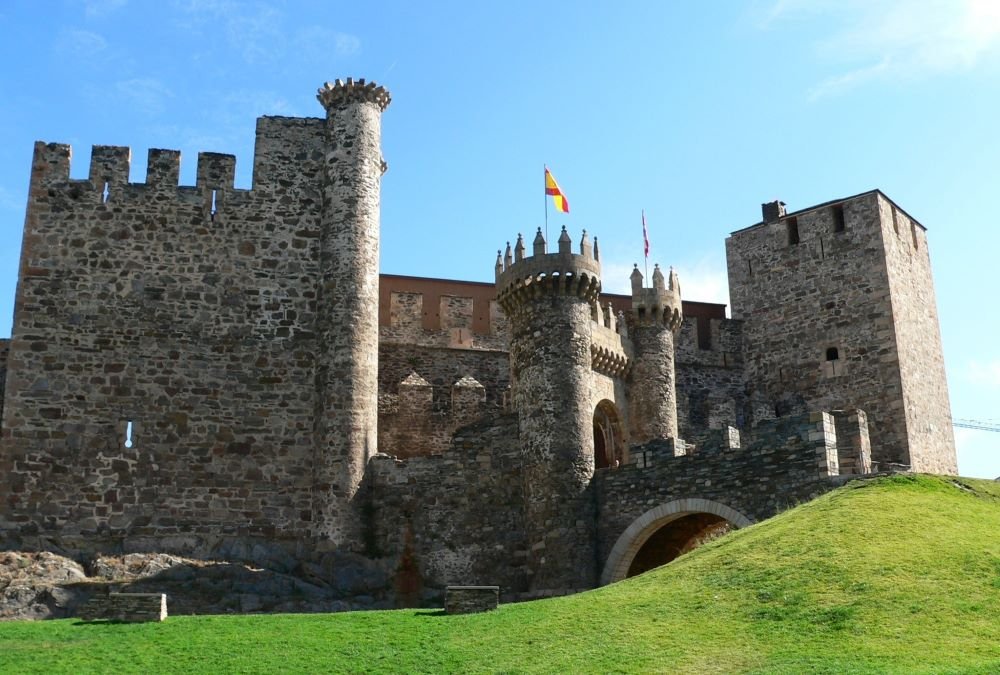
(666, 531)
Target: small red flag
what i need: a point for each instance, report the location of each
(645, 234)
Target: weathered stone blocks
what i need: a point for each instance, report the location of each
(471, 599)
(130, 607)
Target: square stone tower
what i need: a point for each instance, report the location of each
(839, 311)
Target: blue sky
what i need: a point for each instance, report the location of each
(697, 112)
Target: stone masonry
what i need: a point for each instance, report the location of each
(223, 374)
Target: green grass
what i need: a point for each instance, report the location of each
(900, 575)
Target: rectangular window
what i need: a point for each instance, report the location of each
(792, 227)
(838, 218)
(704, 328)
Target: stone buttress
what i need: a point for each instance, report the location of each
(347, 368)
(549, 299)
(654, 320)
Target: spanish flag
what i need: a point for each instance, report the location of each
(552, 188)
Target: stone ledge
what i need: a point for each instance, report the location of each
(471, 599)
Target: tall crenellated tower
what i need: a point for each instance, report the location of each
(347, 315)
(798, 281)
(549, 299)
(654, 320)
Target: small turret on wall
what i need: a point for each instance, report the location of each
(653, 322)
(550, 299)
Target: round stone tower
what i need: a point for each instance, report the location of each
(548, 298)
(347, 308)
(654, 320)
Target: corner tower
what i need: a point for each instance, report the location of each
(347, 314)
(839, 310)
(654, 320)
(550, 299)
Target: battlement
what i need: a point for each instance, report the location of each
(339, 93)
(110, 169)
(108, 178)
(662, 302)
(563, 273)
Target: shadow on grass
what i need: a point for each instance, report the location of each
(431, 612)
(102, 622)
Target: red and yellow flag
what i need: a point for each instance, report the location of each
(552, 189)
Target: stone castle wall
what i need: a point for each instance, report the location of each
(188, 312)
(454, 518)
(711, 391)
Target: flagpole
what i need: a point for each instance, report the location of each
(545, 197)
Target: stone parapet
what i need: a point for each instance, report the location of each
(339, 92)
(564, 273)
(131, 607)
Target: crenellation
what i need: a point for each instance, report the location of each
(50, 166)
(109, 170)
(163, 170)
(216, 171)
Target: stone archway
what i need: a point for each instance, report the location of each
(608, 438)
(691, 517)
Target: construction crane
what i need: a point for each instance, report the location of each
(982, 425)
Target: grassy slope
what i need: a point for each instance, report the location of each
(896, 575)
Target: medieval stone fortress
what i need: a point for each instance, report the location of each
(224, 374)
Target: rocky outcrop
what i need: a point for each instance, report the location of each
(49, 586)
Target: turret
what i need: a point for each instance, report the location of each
(653, 322)
(548, 298)
(347, 310)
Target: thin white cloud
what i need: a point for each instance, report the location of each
(893, 40)
(98, 8)
(984, 373)
(320, 43)
(257, 33)
(79, 44)
(146, 94)
(839, 84)
(704, 280)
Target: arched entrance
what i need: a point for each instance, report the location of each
(608, 440)
(661, 534)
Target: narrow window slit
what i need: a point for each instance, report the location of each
(214, 207)
(792, 225)
(129, 442)
(105, 193)
(839, 225)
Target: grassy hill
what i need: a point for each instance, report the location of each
(899, 574)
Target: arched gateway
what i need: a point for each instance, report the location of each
(670, 527)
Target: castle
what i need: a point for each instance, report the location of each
(223, 373)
